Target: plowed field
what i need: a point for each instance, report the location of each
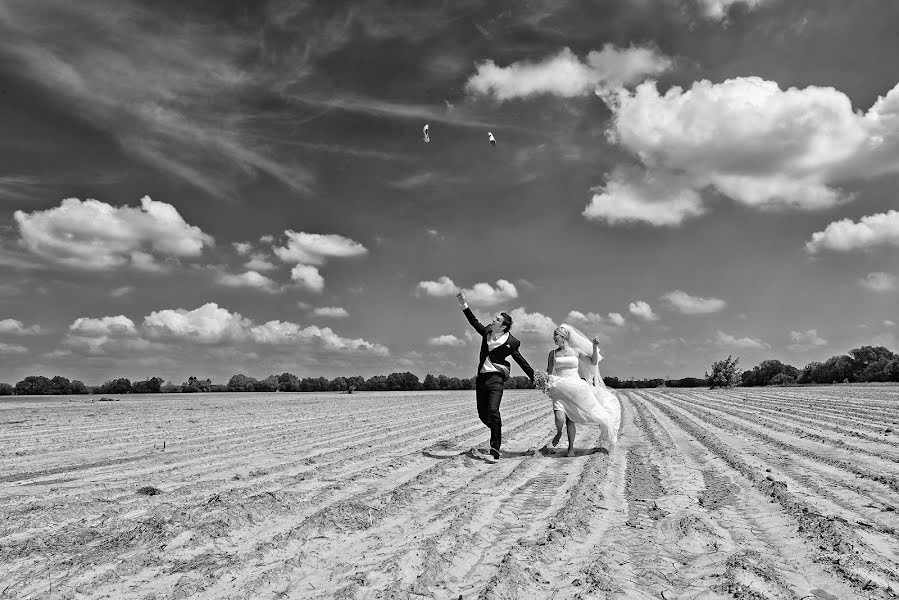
(788, 493)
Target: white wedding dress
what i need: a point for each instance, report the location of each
(583, 402)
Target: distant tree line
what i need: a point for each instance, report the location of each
(864, 364)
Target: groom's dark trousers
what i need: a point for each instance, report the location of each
(489, 393)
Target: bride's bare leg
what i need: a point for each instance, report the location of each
(572, 431)
(560, 423)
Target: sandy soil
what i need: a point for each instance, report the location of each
(752, 494)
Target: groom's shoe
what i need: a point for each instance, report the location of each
(490, 458)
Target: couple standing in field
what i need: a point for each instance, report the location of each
(572, 380)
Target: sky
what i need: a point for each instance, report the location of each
(244, 187)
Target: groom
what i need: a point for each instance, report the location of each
(497, 344)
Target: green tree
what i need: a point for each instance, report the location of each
(148, 386)
(194, 385)
(724, 373)
(6, 389)
(78, 387)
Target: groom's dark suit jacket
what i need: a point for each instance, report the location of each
(499, 356)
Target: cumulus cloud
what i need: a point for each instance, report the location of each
(617, 319)
(259, 262)
(535, 324)
(716, 10)
(889, 323)
(590, 318)
(308, 277)
(693, 305)
(208, 324)
(631, 196)
(446, 340)
(217, 328)
(309, 251)
(331, 312)
(97, 236)
(643, 310)
(242, 248)
(879, 282)
(480, 294)
(249, 279)
(119, 325)
(845, 235)
(316, 248)
(12, 349)
(806, 340)
(484, 294)
(727, 340)
(747, 139)
(565, 75)
(442, 287)
(16, 327)
(286, 333)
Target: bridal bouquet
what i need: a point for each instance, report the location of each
(542, 380)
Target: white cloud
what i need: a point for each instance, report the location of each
(11, 349)
(284, 333)
(806, 340)
(207, 324)
(693, 305)
(643, 310)
(483, 294)
(16, 327)
(331, 312)
(617, 319)
(249, 279)
(446, 340)
(171, 103)
(259, 262)
(119, 325)
(565, 75)
(717, 9)
(536, 324)
(727, 340)
(315, 248)
(656, 199)
(442, 287)
(889, 323)
(879, 282)
(308, 251)
(97, 236)
(242, 248)
(121, 291)
(308, 277)
(749, 140)
(589, 318)
(845, 235)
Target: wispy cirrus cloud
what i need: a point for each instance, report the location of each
(171, 90)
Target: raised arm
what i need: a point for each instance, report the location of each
(470, 315)
(596, 356)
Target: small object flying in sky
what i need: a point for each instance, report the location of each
(491, 138)
(425, 132)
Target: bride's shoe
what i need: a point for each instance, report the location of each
(556, 438)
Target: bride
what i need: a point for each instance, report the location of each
(578, 392)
